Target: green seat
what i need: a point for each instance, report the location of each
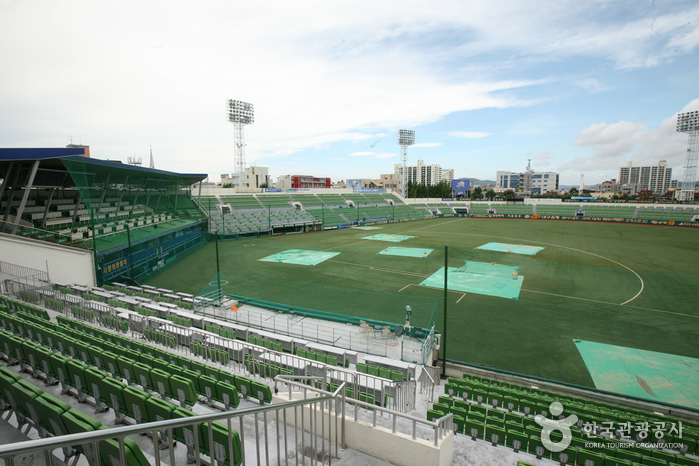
(142, 375)
(24, 394)
(243, 385)
(109, 453)
(491, 430)
(161, 382)
(207, 387)
(112, 391)
(521, 437)
(372, 370)
(211, 372)
(43, 356)
(110, 363)
(227, 394)
(77, 422)
(96, 356)
(135, 401)
(534, 443)
(59, 368)
(471, 424)
(193, 377)
(93, 385)
(220, 450)
(459, 423)
(126, 371)
(183, 390)
(76, 377)
(587, 455)
(51, 410)
(396, 376)
(261, 392)
(227, 377)
(83, 349)
(160, 410)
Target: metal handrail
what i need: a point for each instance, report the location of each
(44, 444)
(441, 426)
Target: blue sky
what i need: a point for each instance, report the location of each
(578, 87)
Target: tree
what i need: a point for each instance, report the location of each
(264, 185)
(490, 194)
(509, 194)
(573, 191)
(477, 193)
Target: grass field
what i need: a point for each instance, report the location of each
(627, 285)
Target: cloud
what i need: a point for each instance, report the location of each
(542, 159)
(613, 144)
(385, 155)
(469, 134)
(427, 144)
(360, 154)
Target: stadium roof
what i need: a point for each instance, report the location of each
(54, 162)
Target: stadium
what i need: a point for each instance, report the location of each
(293, 328)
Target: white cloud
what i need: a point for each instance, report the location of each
(614, 144)
(469, 134)
(427, 144)
(360, 154)
(385, 155)
(542, 159)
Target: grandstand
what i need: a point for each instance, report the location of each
(132, 219)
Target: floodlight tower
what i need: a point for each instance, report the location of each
(240, 113)
(406, 138)
(688, 122)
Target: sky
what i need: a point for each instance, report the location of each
(577, 87)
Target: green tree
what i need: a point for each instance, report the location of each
(490, 194)
(264, 185)
(573, 191)
(477, 193)
(509, 194)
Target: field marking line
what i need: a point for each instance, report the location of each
(612, 304)
(342, 246)
(381, 269)
(430, 226)
(462, 297)
(406, 286)
(572, 249)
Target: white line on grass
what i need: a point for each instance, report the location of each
(564, 247)
(381, 269)
(612, 304)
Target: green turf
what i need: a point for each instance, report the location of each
(643, 374)
(406, 252)
(574, 288)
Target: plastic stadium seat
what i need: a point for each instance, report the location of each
(193, 377)
(521, 437)
(93, 385)
(142, 375)
(76, 377)
(226, 377)
(183, 390)
(491, 430)
(243, 385)
(161, 382)
(160, 410)
(112, 391)
(109, 453)
(227, 394)
(77, 422)
(50, 410)
(135, 401)
(470, 424)
(207, 387)
(220, 451)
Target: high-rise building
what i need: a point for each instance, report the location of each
(527, 182)
(428, 175)
(657, 179)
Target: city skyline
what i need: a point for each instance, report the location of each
(577, 88)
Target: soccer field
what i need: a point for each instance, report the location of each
(615, 284)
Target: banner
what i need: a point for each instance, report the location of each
(460, 186)
(354, 184)
(370, 190)
(272, 190)
(638, 221)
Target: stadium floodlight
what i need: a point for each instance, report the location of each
(688, 122)
(240, 114)
(406, 138)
